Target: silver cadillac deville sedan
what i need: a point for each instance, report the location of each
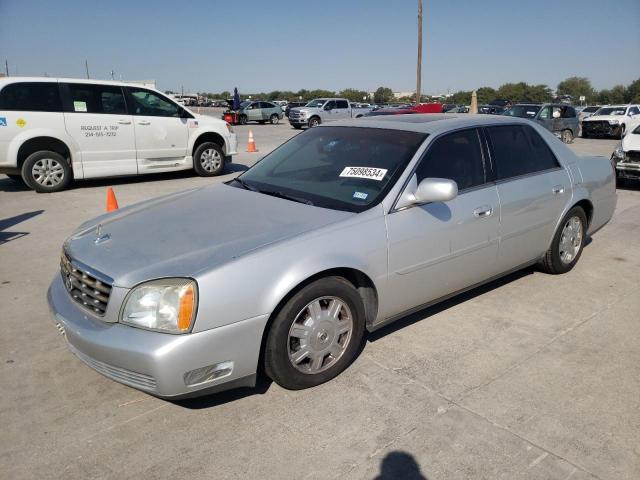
(339, 231)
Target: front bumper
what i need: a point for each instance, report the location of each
(157, 362)
(599, 128)
(628, 170)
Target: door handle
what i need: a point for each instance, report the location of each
(144, 122)
(484, 211)
(124, 122)
(558, 189)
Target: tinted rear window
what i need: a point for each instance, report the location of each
(88, 98)
(31, 96)
(519, 151)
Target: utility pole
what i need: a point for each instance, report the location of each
(419, 67)
(86, 67)
(6, 67)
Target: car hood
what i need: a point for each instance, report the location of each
(604, 117)
(209, 120)
(190, 232)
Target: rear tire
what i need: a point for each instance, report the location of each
(315, 335)
(274, 119)
(208, 160)
(568, 242)
(46, 172)
(243, 119)
(566, 136)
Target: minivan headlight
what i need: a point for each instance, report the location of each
(167, 305)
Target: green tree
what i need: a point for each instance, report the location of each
(319, 93)
(383, 95)
(225, 95)
(485, 95)
(353, 95)
(617, 94)
(576, 87)
(633, 92)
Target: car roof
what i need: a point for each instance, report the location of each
(8, 80)
(431, 123)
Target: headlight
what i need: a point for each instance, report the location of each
(619, 152)
(302, 114)
(614, 122)
(167, 305)
(229, 127)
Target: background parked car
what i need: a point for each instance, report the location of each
(558, 118)
(586, 112)
(491, 109)
(610, 121)
(626, 156)
(291, 105)
(260, 112)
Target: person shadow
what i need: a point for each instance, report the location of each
(399, 465)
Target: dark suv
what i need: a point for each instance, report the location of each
(558, 118)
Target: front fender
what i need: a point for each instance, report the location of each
(257, 282)
(201, 130)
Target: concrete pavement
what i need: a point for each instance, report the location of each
(533, 376)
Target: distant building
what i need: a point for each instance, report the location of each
(403, 94)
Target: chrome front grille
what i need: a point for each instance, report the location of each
(85, 287)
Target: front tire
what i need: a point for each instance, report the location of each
(46, 172)
(567, 243)
(315, 335)
(208, 160)
(243, 119)
(314, 122)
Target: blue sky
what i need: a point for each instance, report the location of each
(264, 45)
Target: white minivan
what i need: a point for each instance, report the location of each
(53, 131)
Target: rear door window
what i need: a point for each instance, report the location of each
(519, 150)
(88, 98)
(456, 156)
(31, 97)
(342, 104)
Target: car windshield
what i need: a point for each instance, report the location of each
(316, 103)
(245, 104)
(611, 111)
(342, 168)
(523, 111)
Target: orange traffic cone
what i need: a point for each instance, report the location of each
(112, 203)
(252, 143)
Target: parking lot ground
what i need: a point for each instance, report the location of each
(530, 377)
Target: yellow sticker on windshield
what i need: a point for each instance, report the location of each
(21, 122)
(364, 172)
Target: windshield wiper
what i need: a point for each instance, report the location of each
(286, 197)
(245, 185)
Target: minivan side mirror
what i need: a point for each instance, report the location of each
(428, 191)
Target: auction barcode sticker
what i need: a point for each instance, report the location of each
(364, 172)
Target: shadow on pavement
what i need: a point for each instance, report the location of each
(11, 221)
(8, 185)
(262, 386)
(399, 465)
(446, 304)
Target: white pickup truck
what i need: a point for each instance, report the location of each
(321, 110)
(53, 131)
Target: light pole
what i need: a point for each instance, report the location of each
(419, 66)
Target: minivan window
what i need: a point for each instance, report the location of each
(31, 97)
(519, 150)
(151, 104)
(456, 156)
(89, 98)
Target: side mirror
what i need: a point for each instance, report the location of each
(428, 191)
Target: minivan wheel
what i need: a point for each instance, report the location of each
(314, 122)
(315, 335)
(274, 119)
(567, 136)
(46, 172)
(208, 160)
(567, 244)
